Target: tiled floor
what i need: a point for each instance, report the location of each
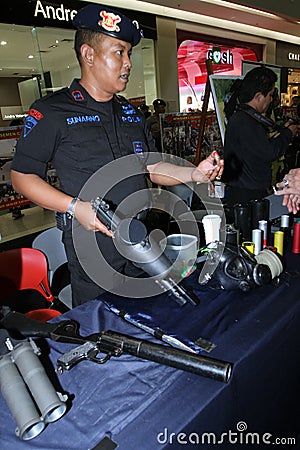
(35, 219)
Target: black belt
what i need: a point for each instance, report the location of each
(63, 223)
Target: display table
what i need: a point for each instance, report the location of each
(143, 405)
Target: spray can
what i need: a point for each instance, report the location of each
(278, 241)
(263, 225)
(257, 239)
(296, 238)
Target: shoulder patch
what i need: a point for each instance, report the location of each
(29, 124)
(78, 96)
(34, 116)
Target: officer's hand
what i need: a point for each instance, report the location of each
(209, 169)
(86, 216)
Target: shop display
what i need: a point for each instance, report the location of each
(179, 133)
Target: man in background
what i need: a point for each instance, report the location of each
(248, 149)
(153, 121)
(145, 110)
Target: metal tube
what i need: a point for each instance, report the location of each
(173, 357)
(18, 399)
(50, 404)
(257, 239)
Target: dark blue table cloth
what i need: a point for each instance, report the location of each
(143, 405)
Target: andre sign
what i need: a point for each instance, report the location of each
(54, 12)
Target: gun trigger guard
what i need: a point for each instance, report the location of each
(100, 360)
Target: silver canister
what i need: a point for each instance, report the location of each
(257, 235)
(263, 225)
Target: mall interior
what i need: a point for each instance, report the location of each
(248, 311)
(37, 57)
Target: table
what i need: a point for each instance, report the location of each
(146, 406)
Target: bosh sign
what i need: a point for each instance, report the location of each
(54, 12)
(219, 57)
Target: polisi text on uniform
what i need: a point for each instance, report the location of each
(51, 12)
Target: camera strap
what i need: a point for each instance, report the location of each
(265, 121)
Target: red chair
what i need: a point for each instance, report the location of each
(24, 283)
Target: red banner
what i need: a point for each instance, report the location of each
(15, 203)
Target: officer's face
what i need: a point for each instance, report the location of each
(111, 64)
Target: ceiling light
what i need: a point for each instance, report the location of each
(250, 9)
(187, 16)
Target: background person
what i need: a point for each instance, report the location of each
(86, 126)
(295, 101)
(145, 110)
(248, 150)
(153, 121)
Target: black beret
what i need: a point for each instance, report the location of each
(108, 21)
(159, 102)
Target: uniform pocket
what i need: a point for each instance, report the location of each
(88, 147)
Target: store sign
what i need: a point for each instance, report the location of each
(60, 13)
(53, 12)
(293, 56)
(192, 59)
(218, 57)
(12, 112)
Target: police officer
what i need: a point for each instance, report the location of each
(84, 127)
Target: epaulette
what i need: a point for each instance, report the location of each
(53, 94)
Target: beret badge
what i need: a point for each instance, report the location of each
(109, 21)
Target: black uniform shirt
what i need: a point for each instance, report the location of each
(248, 152)
(79, 135)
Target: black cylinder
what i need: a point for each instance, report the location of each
(232, 235)
(169, 356)
(260, 210)
(242, 220)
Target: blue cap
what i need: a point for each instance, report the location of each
(108, 21)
